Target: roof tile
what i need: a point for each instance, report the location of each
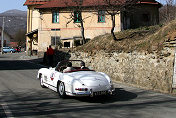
(71, 3)
(87, 3)
(36, 2)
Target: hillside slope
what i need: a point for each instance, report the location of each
(18, 20)
(147, 39)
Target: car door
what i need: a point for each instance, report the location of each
(51, 77)
(55, 76)
(46, 77)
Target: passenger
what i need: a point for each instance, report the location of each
(83, 65)
(69, 67)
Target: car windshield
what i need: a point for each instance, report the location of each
(76, 65)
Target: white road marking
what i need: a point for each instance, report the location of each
(7, 111)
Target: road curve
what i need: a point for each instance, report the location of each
(22, 96)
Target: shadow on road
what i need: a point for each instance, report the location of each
(119, 95)
(39, 103)
(47, 102)
(2, 114)
(18, 65)
(3, 57)
(7, 62)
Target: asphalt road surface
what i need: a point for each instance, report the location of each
(22, 96)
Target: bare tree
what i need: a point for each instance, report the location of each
(111, 8)
(20, 37)
(115, 7)
(167, 12)
(77, 9)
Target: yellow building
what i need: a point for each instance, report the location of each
(57, 22)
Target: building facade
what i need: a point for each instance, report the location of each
(57, 23)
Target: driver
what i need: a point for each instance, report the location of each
(82, 64)
(69, 67)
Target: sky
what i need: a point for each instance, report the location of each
(18, 4)
(12, 4)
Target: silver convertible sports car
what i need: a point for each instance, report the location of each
(77, 82)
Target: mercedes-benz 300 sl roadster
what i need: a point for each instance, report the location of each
(76, 82)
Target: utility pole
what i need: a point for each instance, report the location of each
(2, 36)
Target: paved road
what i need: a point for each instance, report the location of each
(22, 96)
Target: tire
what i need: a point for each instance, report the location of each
(61, 89)
(41, 81)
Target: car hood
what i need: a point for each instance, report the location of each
(90, 78)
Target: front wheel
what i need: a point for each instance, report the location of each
(61, 89)
(41, 81)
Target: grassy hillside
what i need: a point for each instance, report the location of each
(146, 39)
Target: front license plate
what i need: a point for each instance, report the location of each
(100, 93)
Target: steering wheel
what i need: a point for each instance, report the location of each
(61, 68)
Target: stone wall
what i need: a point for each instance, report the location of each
(151, 71)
